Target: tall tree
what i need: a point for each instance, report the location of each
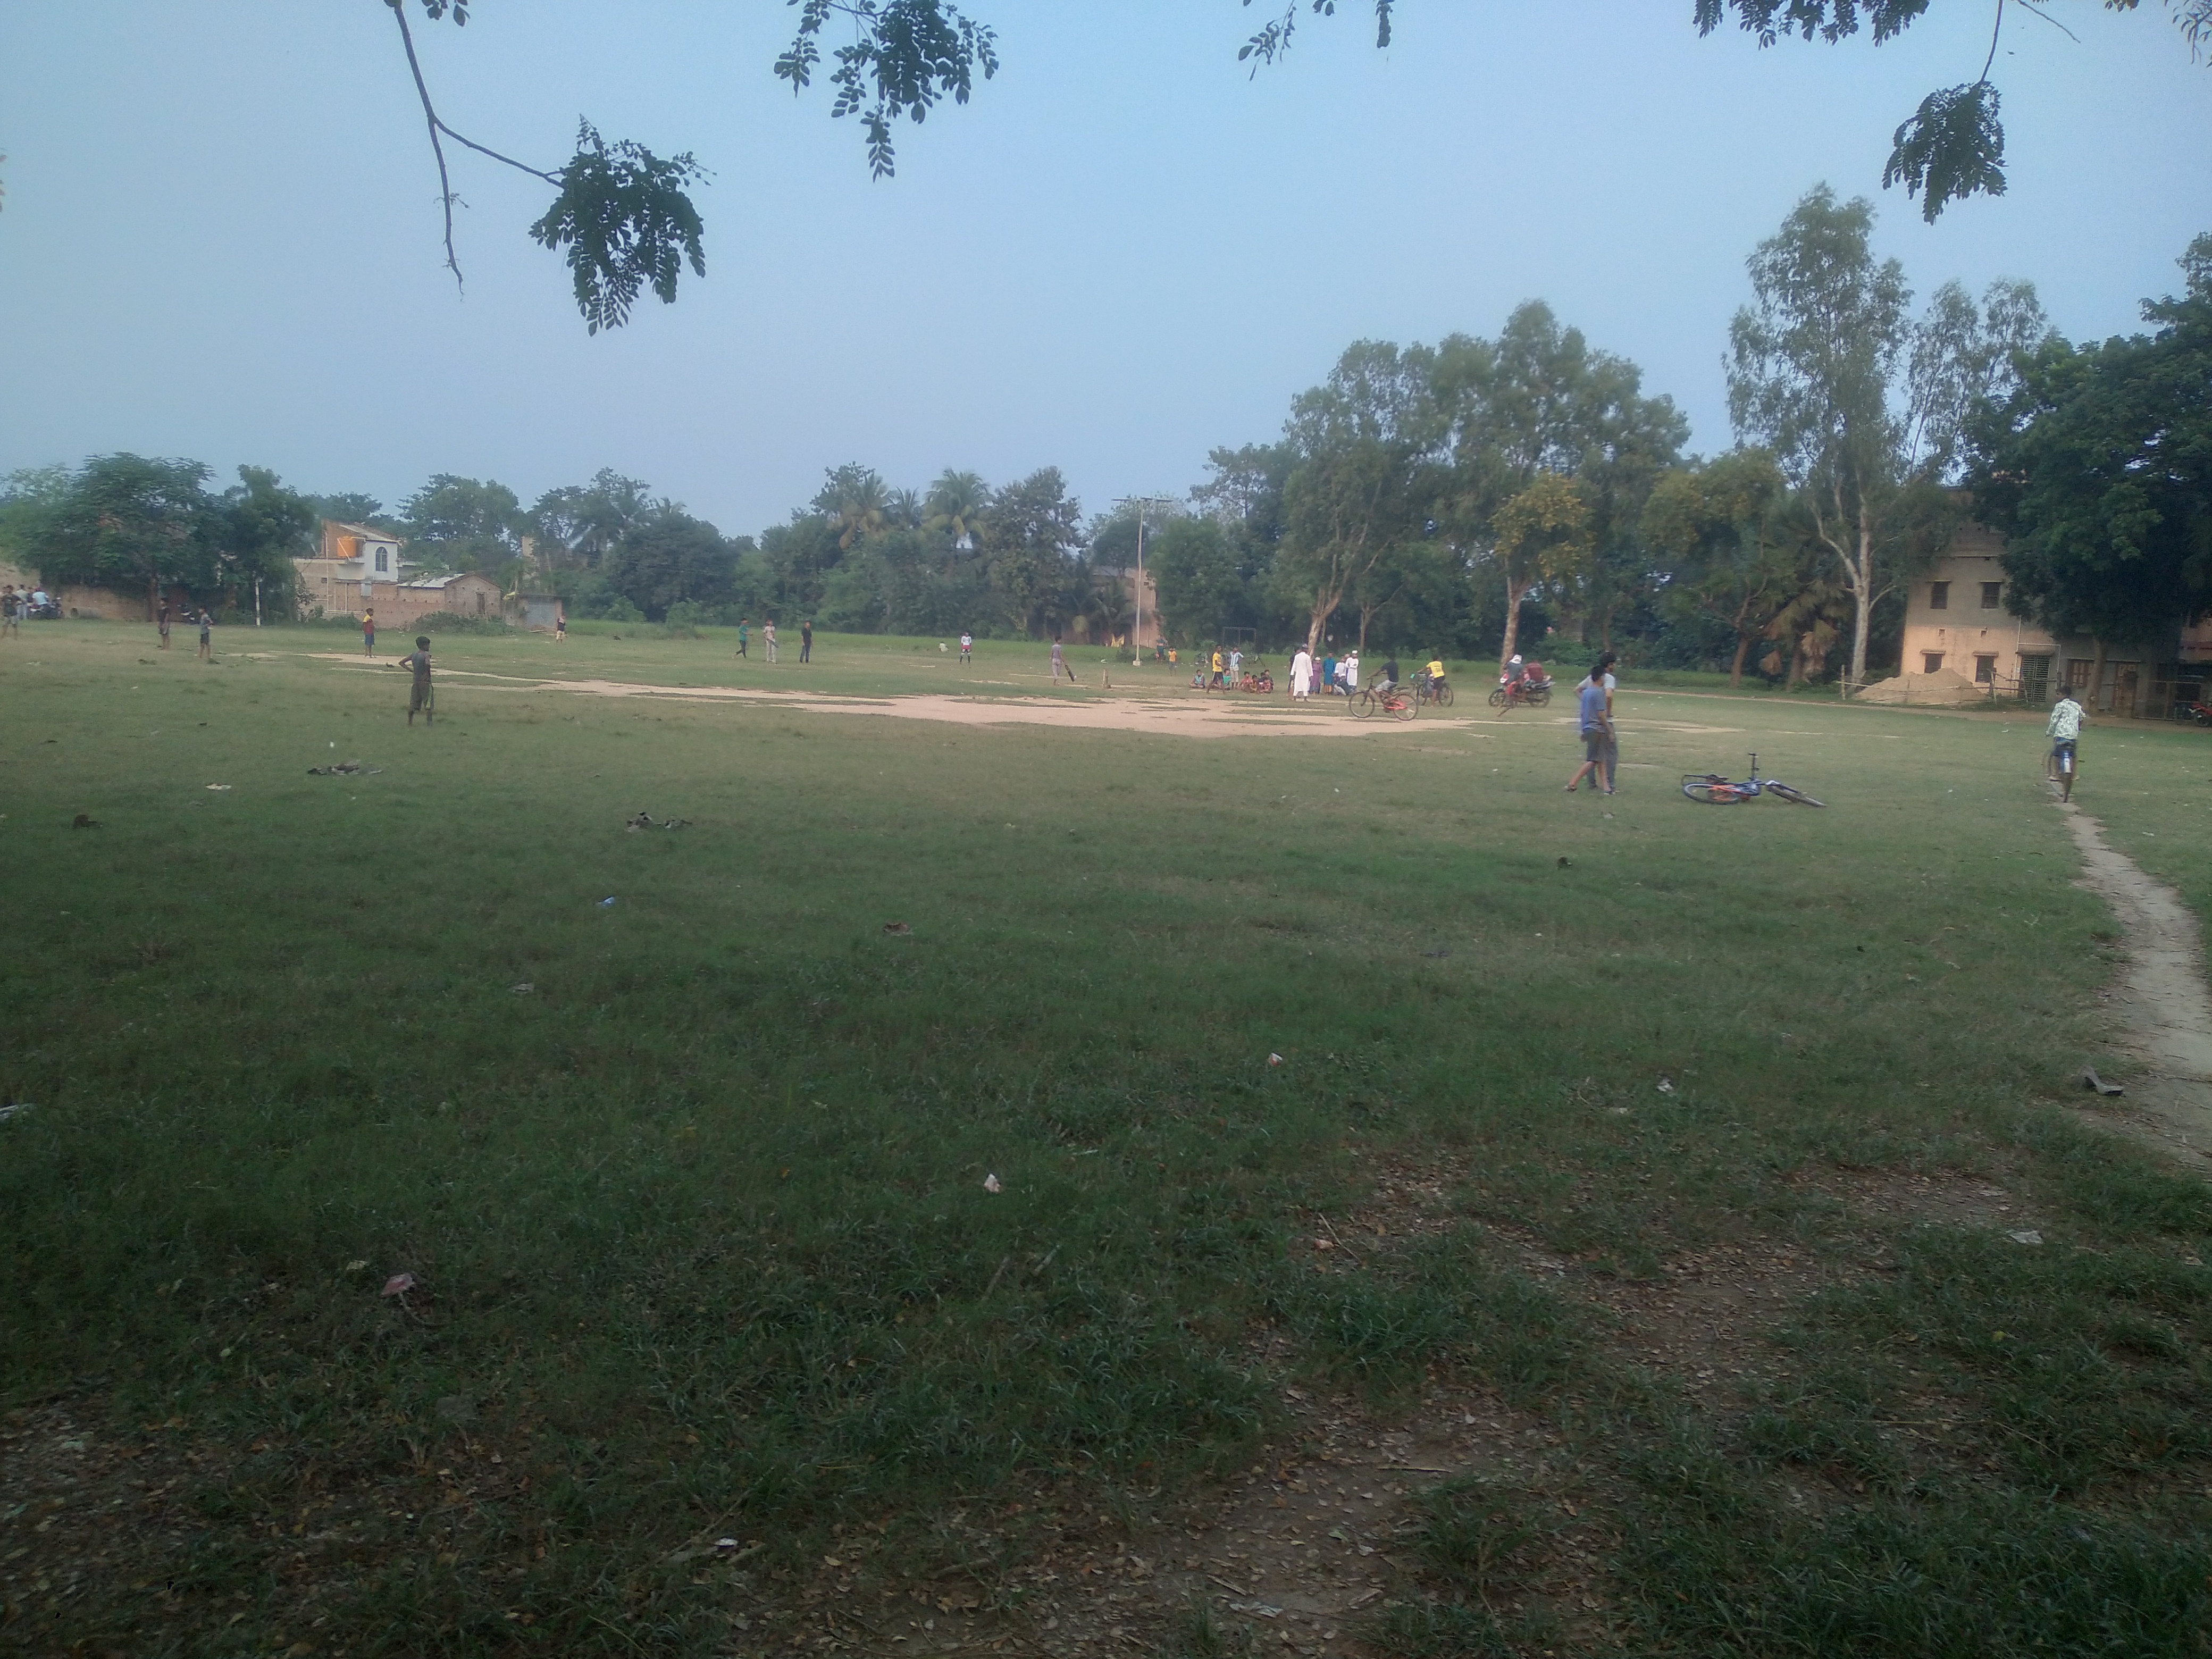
(1729, 548)
(131, 522)
(2099, 469)
(668, 558)
(462, 524)
(1541, 400)
(265, 526)
(576, 524)
(1542, 534)
(1193, 570)
(1361, 483)
(857, 498)
(1030, 539)
(954, 508)
(1859, 404)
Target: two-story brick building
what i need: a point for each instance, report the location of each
(1957, 628)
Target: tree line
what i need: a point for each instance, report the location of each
(1466, 497)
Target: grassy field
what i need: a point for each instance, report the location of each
(693, 1184)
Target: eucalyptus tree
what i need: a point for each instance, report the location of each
(1540, 402)
(1861, 404)
(1362, 477)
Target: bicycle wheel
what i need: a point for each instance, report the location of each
(1713, 792)
(1797, 796)
(1401, 706)
(1444, 696)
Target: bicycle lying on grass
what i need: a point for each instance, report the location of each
(1713, 790)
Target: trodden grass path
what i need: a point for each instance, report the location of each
(1620, 1259)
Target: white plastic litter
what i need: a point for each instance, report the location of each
(993, 1184)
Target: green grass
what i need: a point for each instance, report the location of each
(700, 1217)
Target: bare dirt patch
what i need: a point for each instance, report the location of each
(2162, 1006)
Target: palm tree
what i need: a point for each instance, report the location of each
(855, 497)
(905, 509)
(957, 503)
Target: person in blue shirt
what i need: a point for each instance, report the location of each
(1596, 723)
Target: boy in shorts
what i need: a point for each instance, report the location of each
(419, 696)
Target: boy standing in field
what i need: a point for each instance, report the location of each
(744, 632)
(418, 695)
(207, 638)
(967, 645)
(806, 640)
(768, 638)
(368, 632)
(8, 602)
(161, 621)
(1059, 664)
(2065, 732)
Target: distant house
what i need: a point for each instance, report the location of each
(466, 595)
(1961, 642)
(352, 563)
(359, 567)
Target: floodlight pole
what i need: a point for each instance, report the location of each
(1137, 632)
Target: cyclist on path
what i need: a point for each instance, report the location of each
(2064, 730)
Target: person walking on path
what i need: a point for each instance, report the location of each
(419, 696)
(161, 621)
(967, 646)
(1612, 731)
(1059, 664)
(768, 638)
(1597, 730)
(368, 632)
(2065, 732)
(1301, 674)
(207, 639)
(806, 640)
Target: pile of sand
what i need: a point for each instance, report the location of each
(1945, 688)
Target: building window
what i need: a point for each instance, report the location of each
(1931, 662)
(1991, 593)
(383, 561)
(1985, 671)
(2077, 673)
(1939, 596)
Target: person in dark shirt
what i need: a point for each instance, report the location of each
(805, 641)
(207, 638)
(419, 696)
(1389, 674)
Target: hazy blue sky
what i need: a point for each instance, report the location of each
(220, 237)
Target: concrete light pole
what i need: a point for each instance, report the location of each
(1137, 632)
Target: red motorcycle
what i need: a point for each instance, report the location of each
(1520, 694)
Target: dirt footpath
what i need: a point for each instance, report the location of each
(2164, 1008)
